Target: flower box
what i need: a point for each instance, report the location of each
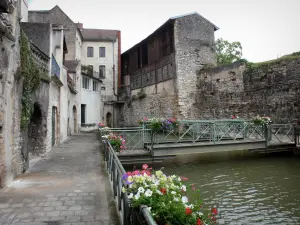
(166, 198)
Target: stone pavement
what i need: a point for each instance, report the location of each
(66, 187)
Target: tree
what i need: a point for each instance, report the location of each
(228, 52)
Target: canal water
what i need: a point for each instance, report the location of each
(250, 191)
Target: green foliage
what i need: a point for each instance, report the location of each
(31, 79)
(141, 94)
(228, 52)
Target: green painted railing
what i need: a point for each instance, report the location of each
(128, 215)
(209, 131)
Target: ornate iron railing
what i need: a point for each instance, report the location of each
(128, 215)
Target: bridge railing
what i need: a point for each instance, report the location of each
(136, 137)
(280, 133)
(128, 215)
(209, 131)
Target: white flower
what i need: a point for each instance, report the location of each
(173, 192)
(141, 190)
(130, 186)
(123, 189)
(184, 199)
(179, 179)
(130, 196)
(200, 213)
(191, 206)
(183, 188)
(137, 196)
(148, 193)
(158, 192)
(176, 199)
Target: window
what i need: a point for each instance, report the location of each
(85, 83)
(102, 71)
(91, 67)
(102, 88)
(90, 52)
(102, 52)
(95, 85)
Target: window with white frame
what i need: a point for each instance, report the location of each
(101, 71)
(102, 52)
(90, 52)
(85, 83)
(95, 85)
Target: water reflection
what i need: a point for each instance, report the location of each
(255, 191)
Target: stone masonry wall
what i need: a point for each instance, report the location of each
(194, 48)
(11, 158)
(160, 101)
(271, 90)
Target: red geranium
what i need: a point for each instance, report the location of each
(163, 190)
(199, 222)
(188, 211)
(214, 211)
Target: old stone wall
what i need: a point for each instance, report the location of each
(194, 48)
(270, 89)
(160, 101)
(37, 130)
(11, 158)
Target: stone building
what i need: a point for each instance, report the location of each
(159, 74)
(94, 58)
(12, 160)
(100, 56)
(70, 100)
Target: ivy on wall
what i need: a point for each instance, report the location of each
(31, 75)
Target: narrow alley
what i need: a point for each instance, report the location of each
(66, 187)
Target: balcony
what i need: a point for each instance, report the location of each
(55, 69)
(71, 84)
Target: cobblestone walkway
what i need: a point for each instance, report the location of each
(67, 187)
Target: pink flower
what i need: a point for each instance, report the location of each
(184, 178)
(145, 166)
(121, 147)
(129, 173)
(136, 172)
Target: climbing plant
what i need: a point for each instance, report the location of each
(31, 79)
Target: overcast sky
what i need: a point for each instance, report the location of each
(267, 29)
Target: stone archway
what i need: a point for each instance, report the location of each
(35, 132)
(109, 119)
(75, 118)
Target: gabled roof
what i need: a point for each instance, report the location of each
(169, 21)
(56, 7)
(99, 35)
(194, 13)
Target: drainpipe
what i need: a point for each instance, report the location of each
(114, 80)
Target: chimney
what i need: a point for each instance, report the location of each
(79, 25)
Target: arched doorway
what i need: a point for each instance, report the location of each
(75, 118)
(35, 129)
(109, 119)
